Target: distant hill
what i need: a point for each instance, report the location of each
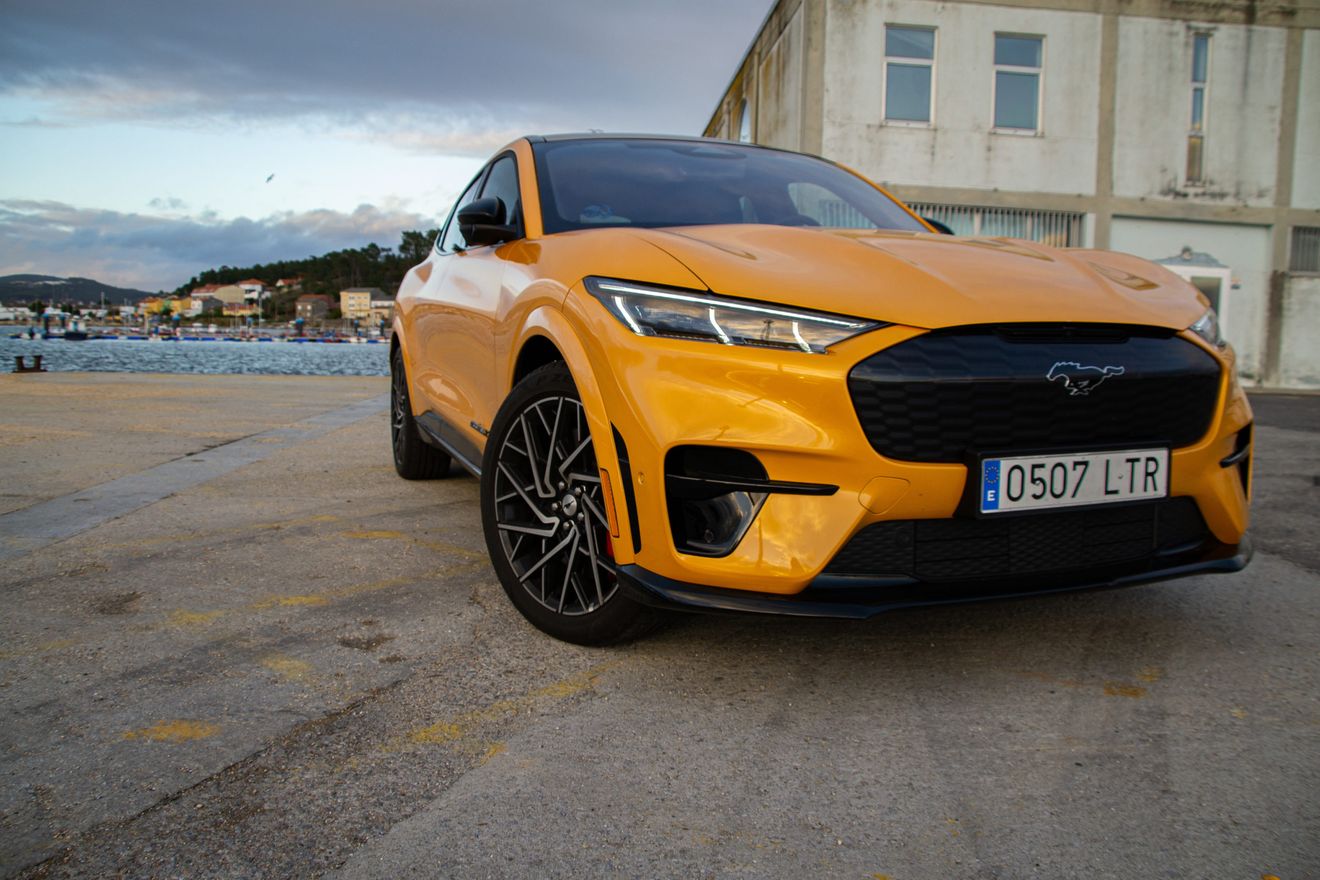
(23, 289)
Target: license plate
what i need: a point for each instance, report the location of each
(1037, 481)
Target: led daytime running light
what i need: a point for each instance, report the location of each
(707, 318)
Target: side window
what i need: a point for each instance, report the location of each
(502, 183)
(452, 238)
(817, 206)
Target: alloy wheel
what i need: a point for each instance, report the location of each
(549, 511)
(398, 414)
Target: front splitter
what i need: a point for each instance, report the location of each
(855, 598)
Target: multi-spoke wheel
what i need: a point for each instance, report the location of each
(544, 516)
(414, 459)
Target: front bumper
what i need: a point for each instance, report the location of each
(794, 413)
(860, 598)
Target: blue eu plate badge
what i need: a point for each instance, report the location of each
(990, 485)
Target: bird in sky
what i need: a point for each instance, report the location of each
(269, 179)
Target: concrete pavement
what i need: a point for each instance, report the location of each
(303, 665)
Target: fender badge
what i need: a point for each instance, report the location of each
(1080, 380)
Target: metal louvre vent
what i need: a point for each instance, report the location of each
(1056, 228)
(1305, 250)
(1038, 543)
(948, 396)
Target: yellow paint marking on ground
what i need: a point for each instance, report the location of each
(437, 546)
(372, 586)
(440, 732)
(462, 726)
(175, 731)
(289, 602)
(287, 667)
(310, 600)
(492, 750)
(192, 618)
(1238, 712)
(300, 521)
(446, 547)
(1111, 688)
(210, 532)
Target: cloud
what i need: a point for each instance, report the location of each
(169, 203)
(571, 64)
(157, 252)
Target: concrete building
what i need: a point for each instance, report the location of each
(254, 289)
(356, 301)
(382, 308)
(312, 306)
(1157, 127)
(229, 294)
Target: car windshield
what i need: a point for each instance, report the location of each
(590, 183)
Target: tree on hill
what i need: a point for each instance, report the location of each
(369, 266)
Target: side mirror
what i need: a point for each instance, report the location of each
(484, 222)
(941, 228)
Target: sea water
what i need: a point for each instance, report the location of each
(174, 356)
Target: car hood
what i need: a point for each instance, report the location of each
(929, 281)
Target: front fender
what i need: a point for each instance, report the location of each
(549, 323)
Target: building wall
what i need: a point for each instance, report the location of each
(1306, 167)
(1244, 249)
(1242, 117)
(1301, 316)
(779, 100)
(960, 148)
(354, 304)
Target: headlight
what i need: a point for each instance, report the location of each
(1207, 327)
(679, 314)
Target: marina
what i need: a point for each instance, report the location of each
(267, 355)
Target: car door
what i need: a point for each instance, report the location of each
(460, 334)
(433, 379)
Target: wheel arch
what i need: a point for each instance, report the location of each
(548, 336)
(398, 344)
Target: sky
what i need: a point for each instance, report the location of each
(137, 137)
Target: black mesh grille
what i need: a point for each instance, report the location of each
(953, 394)
(1038, 543)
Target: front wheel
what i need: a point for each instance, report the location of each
(544, 517)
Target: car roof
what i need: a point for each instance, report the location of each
(673, 138)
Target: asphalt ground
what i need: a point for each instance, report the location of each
(297, 664)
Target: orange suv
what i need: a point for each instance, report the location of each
(710, 376)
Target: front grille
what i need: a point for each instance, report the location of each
(950, 395)
(1037, 543)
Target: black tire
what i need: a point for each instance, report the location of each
(414, 458)
(544, 520)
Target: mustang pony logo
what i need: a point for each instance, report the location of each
(1080, 380)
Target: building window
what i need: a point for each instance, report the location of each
(744, 123)
(1196, 130)
(909, 73)
(1305, 249)
(1017, 82)
(1055, 228)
